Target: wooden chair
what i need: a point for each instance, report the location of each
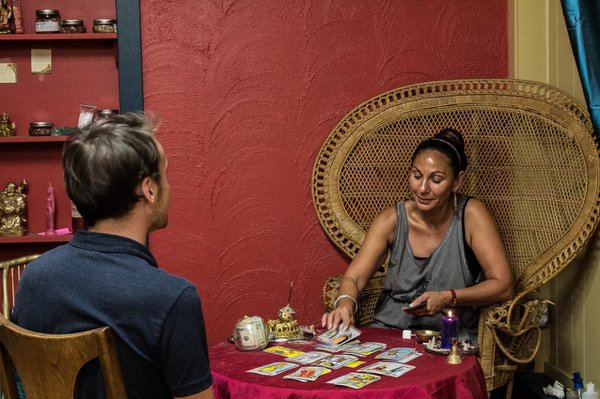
(533, 161)
(48, 364)
(11, 274)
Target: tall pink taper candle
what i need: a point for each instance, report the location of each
(50, 206)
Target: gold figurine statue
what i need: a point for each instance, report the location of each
(13, 210)
(6, 15)
(286, 325)
(7, 128)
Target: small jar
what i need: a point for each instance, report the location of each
(47, 21)
(106, 113)
(104, 25)
(72, 26)
(40, 128)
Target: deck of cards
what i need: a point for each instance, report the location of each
(365, 349)
(338, 336)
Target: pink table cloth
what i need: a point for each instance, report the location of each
(432, 378)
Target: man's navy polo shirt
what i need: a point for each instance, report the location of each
(107, 280)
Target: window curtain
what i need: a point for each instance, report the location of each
(583, 24)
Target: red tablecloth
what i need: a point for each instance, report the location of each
(432, 378)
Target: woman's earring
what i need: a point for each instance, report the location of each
(455, 201)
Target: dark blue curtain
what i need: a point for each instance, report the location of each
(583, 24)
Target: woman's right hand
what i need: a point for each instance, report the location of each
(342, 314)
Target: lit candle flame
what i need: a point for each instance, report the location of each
(450, 314)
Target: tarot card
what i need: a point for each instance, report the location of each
(273, 368)
(283, 351)
(308, 357)
(390, 369)
(366, 348)
(337, 336)
(354, 364)
(308, 373)
(354, 380)
(402, 355)
(337, 348)
(335, 361)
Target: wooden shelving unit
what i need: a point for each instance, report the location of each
(103, 69)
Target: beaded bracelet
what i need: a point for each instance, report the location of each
(453, 301)
(346, 296)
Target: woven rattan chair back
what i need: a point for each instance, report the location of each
(533, 161)
(48, 364)
(11, 274)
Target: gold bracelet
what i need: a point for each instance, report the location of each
(346, 296)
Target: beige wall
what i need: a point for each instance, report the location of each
(540, 51)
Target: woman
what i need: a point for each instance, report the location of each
(441, 243)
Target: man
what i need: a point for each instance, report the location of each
(116, 175)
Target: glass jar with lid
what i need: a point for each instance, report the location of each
(47, 21)
(105, 25)
(106, 113)
(72, 26)
(40, 128)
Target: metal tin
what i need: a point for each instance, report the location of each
(72, 26)
(47, 21)
(40, 128)
(106, 113)
(105, 25)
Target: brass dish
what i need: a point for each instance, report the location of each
(426, 335)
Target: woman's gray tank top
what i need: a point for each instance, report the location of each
(408, 277)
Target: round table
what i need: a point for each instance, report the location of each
(432, 377)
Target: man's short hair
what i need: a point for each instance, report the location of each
(105, 162)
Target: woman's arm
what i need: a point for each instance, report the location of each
(483, 237)
(371, 255)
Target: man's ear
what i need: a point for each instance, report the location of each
(149, 189)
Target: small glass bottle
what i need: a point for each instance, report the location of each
(76, 219)
(47, 21)
(105, 25)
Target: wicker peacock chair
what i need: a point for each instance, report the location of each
(533, 161)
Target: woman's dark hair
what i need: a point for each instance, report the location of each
(104, 163)
(448, 142)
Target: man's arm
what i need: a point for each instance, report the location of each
(184, 352)
(208, 394)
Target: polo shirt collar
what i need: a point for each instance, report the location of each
(110, 243)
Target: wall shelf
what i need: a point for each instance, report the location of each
(34, 238)
(34, 139)
(58, 36)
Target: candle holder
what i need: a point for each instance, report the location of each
(449, 330)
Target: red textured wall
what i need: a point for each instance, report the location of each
(248, 91)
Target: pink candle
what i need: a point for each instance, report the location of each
(449, 329)
(50, 207)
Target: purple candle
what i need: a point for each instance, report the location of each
(449, 329)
